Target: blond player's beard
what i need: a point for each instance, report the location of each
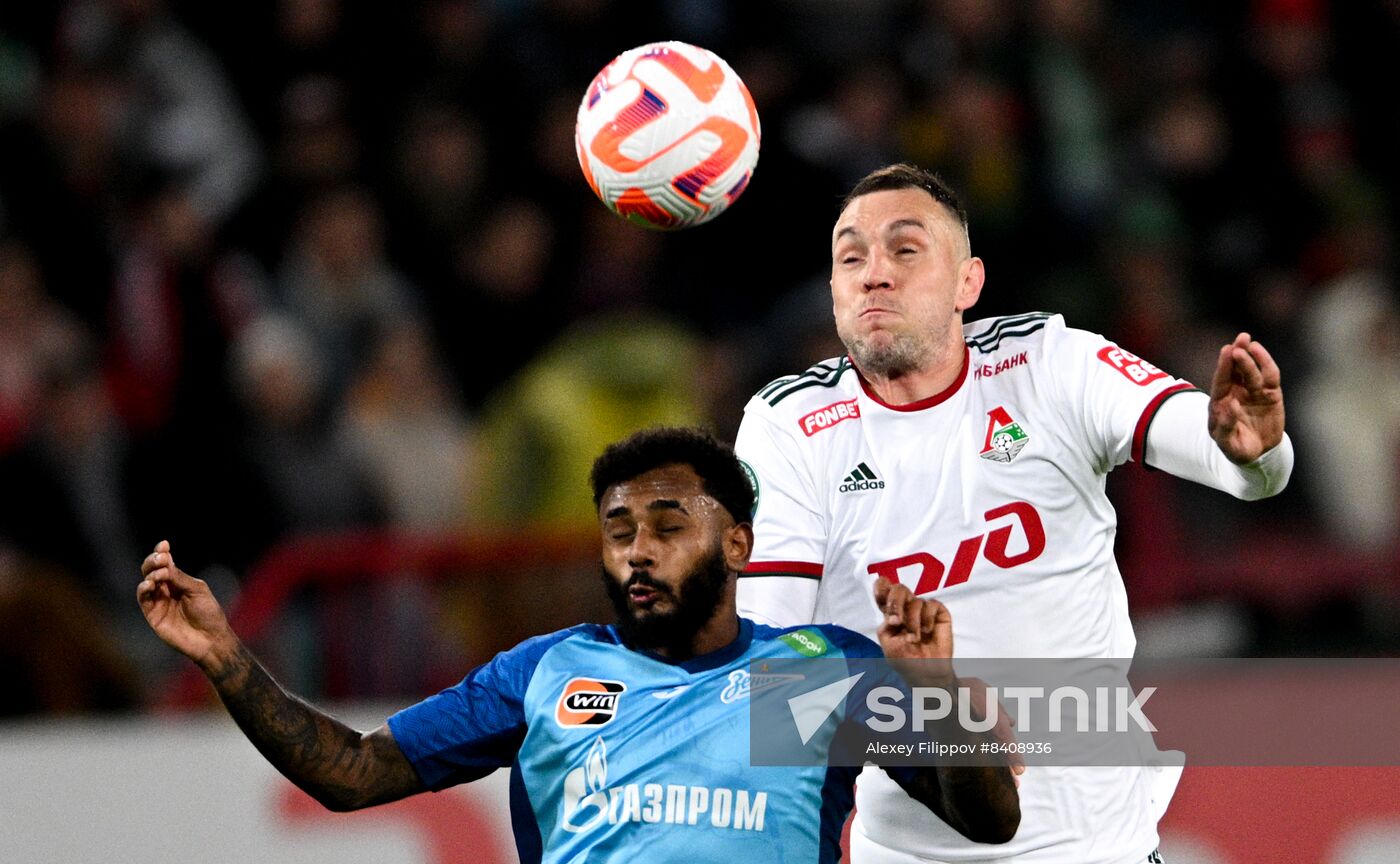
(900, 355)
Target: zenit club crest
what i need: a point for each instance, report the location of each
(1005, 438)
(588, 702)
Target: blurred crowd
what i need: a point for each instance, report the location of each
(306, 266)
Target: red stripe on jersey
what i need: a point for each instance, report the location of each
(795, 568)
(927, 402)
(1140, 433)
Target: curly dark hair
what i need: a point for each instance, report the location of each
(722, 476)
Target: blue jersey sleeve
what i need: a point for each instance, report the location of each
(858, 647)
(852, 644)
(469, 730)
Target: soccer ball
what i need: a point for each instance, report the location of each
(667, 135)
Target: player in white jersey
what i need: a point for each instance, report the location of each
(968, 461)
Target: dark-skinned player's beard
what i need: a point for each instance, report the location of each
(674, 631)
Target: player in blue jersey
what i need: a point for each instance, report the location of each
(627, 742)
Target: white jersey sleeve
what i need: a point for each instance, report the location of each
(1107, 396)
(1179, 443)
(779, 587)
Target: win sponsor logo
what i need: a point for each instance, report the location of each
(588, 702)
(589, 802)
(860, 479)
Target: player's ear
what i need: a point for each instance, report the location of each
(738, 545)
(971, 275)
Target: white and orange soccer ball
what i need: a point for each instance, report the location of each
(667, 135)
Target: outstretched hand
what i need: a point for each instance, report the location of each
(180, 608)
(1246, 401)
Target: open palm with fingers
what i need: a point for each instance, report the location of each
(1246, 401)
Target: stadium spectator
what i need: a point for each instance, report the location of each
(1351, 410)
(301, 466)
(539, 430)
(315, 147)
(184, 117)
(176, 302)
(441, 165)
(338, 284)
(34, 332)
(506, 274)
(61, 178)
(407, 433)
(1070, 46)
(80, 507)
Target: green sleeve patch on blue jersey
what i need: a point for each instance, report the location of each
(808, 643)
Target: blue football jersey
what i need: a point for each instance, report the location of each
(622, 755)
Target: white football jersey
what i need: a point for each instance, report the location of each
(989, 496)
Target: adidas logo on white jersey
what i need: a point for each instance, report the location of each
(860, 479)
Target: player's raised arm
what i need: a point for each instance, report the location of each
(341, 768)
(1242, 449)
(980, 802)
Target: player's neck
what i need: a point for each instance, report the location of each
(718, 632)
(933, 378)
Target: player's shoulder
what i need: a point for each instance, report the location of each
(1040, 340)
(533, 649)
(817, 640)
(819, 384)
(1029, 329)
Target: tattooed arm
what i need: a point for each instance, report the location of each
(338, 766)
